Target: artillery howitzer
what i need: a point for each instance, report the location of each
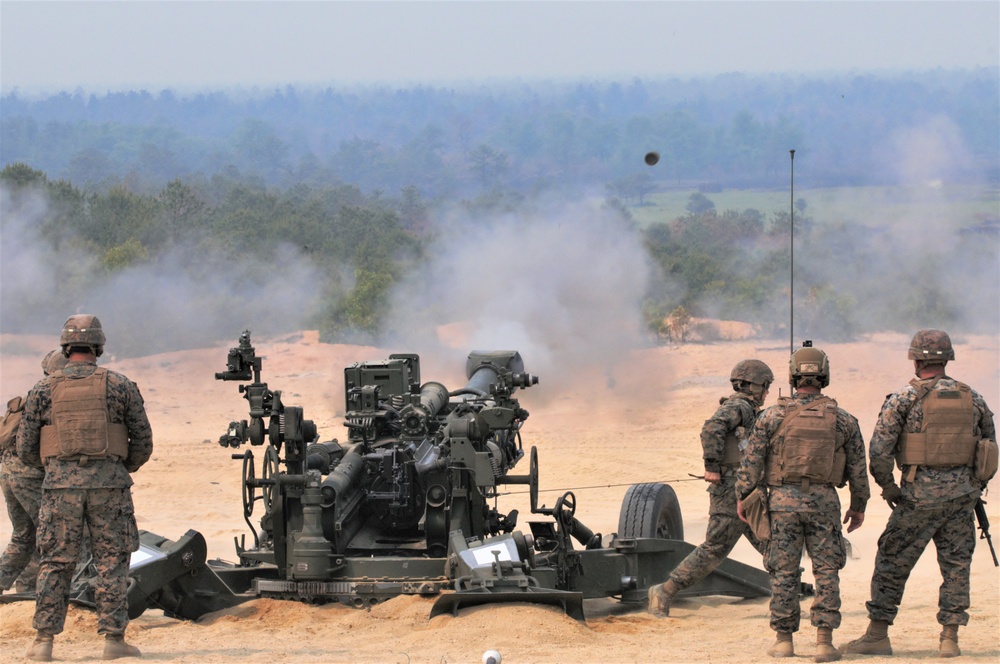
(408, 505)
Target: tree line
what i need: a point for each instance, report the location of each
(727, 131)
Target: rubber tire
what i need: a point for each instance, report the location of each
(651, 510)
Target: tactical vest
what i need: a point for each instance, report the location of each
(80, 426)
(945, 437)
(809, 449)
(732, 455)
(10, 424)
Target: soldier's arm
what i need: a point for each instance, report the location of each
(987, 427)
(752, 467)
(28, 441)
(857, 473)
(140, 433)
(882, 448)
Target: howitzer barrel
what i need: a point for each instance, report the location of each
(483, 367)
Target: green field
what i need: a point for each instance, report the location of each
(957, 205)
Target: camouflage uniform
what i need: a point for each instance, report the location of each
(22, 490)
(736, 414)
(91, 495)
(804, 516)
(936, 504)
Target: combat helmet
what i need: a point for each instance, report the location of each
(931, 346)
(752, 377)
(809, 366)
(54, 361)
(752, 371)
(82, 330)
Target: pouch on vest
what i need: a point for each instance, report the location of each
(10, 424)
(985, 465)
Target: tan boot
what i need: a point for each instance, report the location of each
(115, 647)
(660, 597)
(41, 649)
(948, 647)
(825, 652)
(783, 646)
(875, 640)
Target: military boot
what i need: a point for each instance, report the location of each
(825, 652)
(783, 646)
(875, 640)
(41, 649)
(949, 642)
(115, 647)
(660, 597)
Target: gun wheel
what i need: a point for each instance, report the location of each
(533, 479)
(565, 508)
(651, 510)
(267, 472)
(248, 484)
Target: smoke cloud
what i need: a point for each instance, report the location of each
(184, 299)
(564, 287)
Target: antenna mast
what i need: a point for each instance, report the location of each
(791, 258)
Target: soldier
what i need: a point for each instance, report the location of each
(87, 427)
(723, 439)
(931, 429)
(22, 490)
(802, 449)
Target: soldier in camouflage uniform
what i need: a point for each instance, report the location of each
(88, 428)
(22, 491)
(723, 439)
(802, 449)
(936, 497)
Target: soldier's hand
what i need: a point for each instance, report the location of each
(739, 511)
(892, 493)
(713, 477)
(856, 519)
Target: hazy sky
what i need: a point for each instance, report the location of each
(97, 46)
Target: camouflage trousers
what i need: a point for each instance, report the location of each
(724, 531)
(19, 561)
(953, 529)
(65, 514)
(820, 534)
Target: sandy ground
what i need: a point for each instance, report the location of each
(597, 432)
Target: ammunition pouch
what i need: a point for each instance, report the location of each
(755, 509)
(80, 427)
(984, 467)
(10, 424)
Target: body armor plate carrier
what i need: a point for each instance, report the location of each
(946, 436)
(809, 450)
(80, 426)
